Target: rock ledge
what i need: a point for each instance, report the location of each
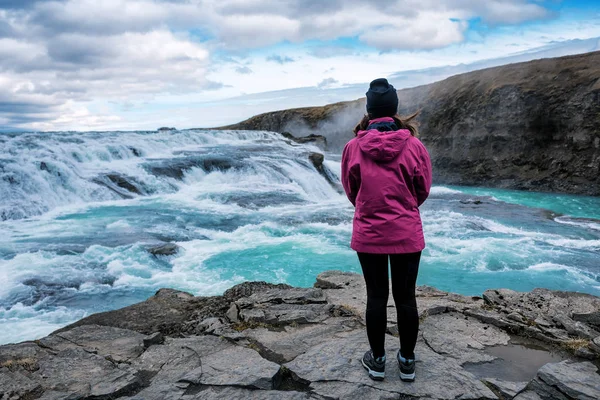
(265, 341)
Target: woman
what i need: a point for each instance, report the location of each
(386, 173)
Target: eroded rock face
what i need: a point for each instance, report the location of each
(264, 341)
(526, 126)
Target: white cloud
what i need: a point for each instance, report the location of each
(59, 57)
(423, 33)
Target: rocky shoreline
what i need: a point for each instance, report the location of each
(265, 341)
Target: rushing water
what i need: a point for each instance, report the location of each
(79, 211)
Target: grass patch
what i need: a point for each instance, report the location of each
(575, 344)
(28, 364)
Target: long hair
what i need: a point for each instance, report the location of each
(401, 122)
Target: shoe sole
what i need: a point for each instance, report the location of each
(407, 377)
(376, 376)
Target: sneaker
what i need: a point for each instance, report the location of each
(407, 368)
(375, 366)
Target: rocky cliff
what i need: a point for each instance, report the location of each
(264, 341)
(529, 126)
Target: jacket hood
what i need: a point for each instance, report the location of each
(382, 146)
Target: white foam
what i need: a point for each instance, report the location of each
(581, 244)
(588, 224)
(20, 319)
(441, 190)
(119, 225)
(575, 274)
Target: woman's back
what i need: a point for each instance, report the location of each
(387, 175)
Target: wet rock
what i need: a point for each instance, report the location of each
(166, 129)
(567, 380)
(167, 249)
(177, 167)
(136, 152)
(318, 140)
(121, 185)
(317, 160)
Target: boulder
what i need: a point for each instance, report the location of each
(166, 249)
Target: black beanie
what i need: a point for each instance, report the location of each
(382, 99)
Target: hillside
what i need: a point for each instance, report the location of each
(530, 126)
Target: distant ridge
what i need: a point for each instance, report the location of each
(533, 125)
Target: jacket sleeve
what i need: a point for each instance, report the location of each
(350, 176)
(422, 177)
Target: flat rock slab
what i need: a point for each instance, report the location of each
(199, 348)
(528, 395)
(461, 338)
(234, 366)
(506, 389)
(569, 380)
(287, 344)
(119, 344)
(344, 289)
(14, 385)
(233, 393)
(339, 361)
(343, 390)
(288, 296)
(82, 374)
(285, 314)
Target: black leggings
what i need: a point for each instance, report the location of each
(405, 268)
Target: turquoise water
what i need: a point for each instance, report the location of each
(575, 206)
(241, 206)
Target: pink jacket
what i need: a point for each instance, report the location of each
(386, 176)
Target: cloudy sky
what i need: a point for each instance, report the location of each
(141, 64)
